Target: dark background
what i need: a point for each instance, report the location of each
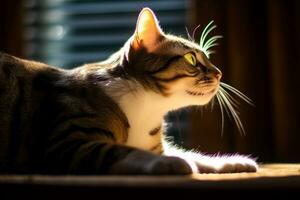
(259, 55)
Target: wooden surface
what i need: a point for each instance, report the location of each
(272, 178)
(268, 171)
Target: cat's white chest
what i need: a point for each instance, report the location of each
(143, 118)
(144, 112)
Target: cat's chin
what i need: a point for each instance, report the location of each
(201, 93)
(200, 97)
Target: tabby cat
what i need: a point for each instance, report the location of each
(107, 117)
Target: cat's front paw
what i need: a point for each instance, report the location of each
(238, 167)
(232, 164)
(169, 165)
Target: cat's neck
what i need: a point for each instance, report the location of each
(143, 108)
(143, 105)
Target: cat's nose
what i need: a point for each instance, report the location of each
(217, 73)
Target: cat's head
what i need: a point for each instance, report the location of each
(171, 66)
(176, 72)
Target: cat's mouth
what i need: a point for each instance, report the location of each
(196, 93)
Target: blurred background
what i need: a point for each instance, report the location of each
(258, 54)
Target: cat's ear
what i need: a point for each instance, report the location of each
(148, 32)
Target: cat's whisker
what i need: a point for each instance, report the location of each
(238, 93)
(222, 113)
(206, 45)
(188, 34)
(233, 112)
(211, 45)
(194, 31)
(225, 106)
(211, 42)
(205, 32)
(209, 52)
(232, 100)
(230, 96)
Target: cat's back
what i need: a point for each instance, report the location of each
(20, 81)
(16, 73)
(19, 100)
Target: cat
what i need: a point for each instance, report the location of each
(108, 117)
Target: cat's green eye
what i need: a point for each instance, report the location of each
(190, 58)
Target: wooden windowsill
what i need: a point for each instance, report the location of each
(270, 177)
